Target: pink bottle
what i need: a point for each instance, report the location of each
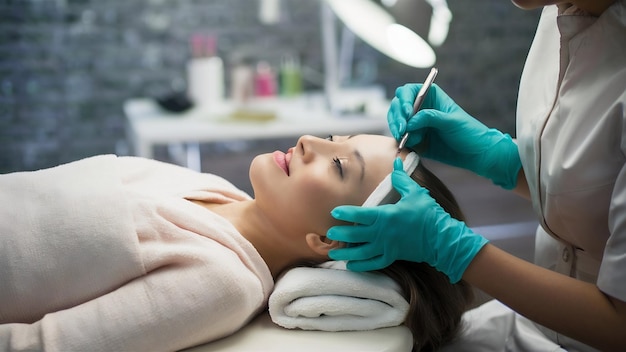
(265, 80)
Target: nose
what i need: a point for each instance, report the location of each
(311, 146)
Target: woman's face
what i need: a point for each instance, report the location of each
(299, 188)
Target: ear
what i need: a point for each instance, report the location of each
(321, 244)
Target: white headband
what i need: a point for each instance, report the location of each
(384, 193)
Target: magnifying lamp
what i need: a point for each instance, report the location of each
(372, 21)
(376, 23)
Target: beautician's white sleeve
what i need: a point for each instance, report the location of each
(612, 276)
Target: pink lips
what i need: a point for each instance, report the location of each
(282, 160)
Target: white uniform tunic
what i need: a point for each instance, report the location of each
(571, 132)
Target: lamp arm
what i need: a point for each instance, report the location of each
(329, 49)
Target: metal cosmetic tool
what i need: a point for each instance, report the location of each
(419, 99)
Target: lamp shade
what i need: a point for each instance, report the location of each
(428, 18)
(378, 28)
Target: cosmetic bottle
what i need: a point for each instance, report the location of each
(290, 77)
(205, 72)
(242, 82)
(265, 80)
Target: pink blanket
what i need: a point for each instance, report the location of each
(108, 254)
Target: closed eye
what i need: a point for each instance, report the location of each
(336, 159)
(337, 162)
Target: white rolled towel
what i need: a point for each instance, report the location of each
(331, 298)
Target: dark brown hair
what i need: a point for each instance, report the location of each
(436, 305)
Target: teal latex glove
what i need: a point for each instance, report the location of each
(415, 229)
(446, 133)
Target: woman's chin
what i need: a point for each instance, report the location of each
(533, 4)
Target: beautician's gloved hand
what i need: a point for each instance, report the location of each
(415, 229)
(446, 133)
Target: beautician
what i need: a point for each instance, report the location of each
(569, 159)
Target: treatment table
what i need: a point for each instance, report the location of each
(261, 335)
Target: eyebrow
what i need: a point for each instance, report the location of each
(359, 157)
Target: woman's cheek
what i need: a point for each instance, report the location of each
(321, 198)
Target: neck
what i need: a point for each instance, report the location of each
(272, 243)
